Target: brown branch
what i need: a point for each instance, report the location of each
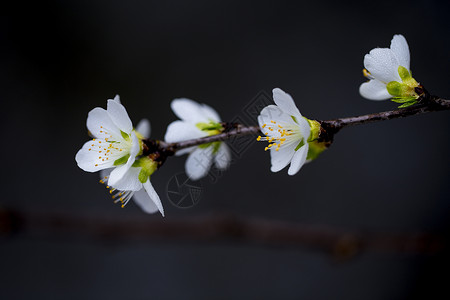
(342, 244)
(160, 149)
(432, 104)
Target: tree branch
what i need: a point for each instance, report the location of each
(331, 127)
(159, 150)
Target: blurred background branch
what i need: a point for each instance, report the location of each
(342, 244)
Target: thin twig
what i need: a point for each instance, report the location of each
(328, 130)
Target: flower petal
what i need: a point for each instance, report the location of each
(281, 158)
(142, 199)
(284, 101)
(153, 196)
(118, 173)
(374, 90)
(143, 127)
(273, 113)
(185, 151)
(382, 64)
(188, 110)
(119, 116)
(198, 163)
(298, 160)
(90, 160)
(222, 158)
(116, 98)
(401, 50)
(100, 124)
(181, 130)
(210, 113)
(129, 181)
(305, 128)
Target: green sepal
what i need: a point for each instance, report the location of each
(125, 136)
(404, 73)
(301, 144)
(394, 88)
(211, 128)
(122, 160)
(148, 166)
(403, 100)
(407, 104)
(315, 148)
(315, 130)
(215, 145)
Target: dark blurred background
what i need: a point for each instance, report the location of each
(60, 59)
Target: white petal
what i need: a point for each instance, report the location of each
(153, 197)
(222, 158)
(143, 127)
(105, 173)
(273, 113)
(118, 173)
(281, 158)
(188, 110)
(119, 116)
(374, 90)
(129, 182)
(185, 151)
(144, 202)
(100, 124)
(305, 128)
(91, 160)
(382, 64)
(198, 163)
(400, 47)
(180, 131)
(210, 114)
(117, 98)
(285, 102)
(298, 160)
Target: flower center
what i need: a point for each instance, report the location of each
(277, 134)
(108, 149)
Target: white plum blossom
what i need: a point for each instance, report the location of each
(198, 120)
(389, 74)
(115, 151)
(287, 132)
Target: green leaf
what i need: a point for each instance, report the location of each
(122, 160)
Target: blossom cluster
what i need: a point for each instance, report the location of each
(119, 151)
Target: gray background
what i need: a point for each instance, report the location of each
(61, 59)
